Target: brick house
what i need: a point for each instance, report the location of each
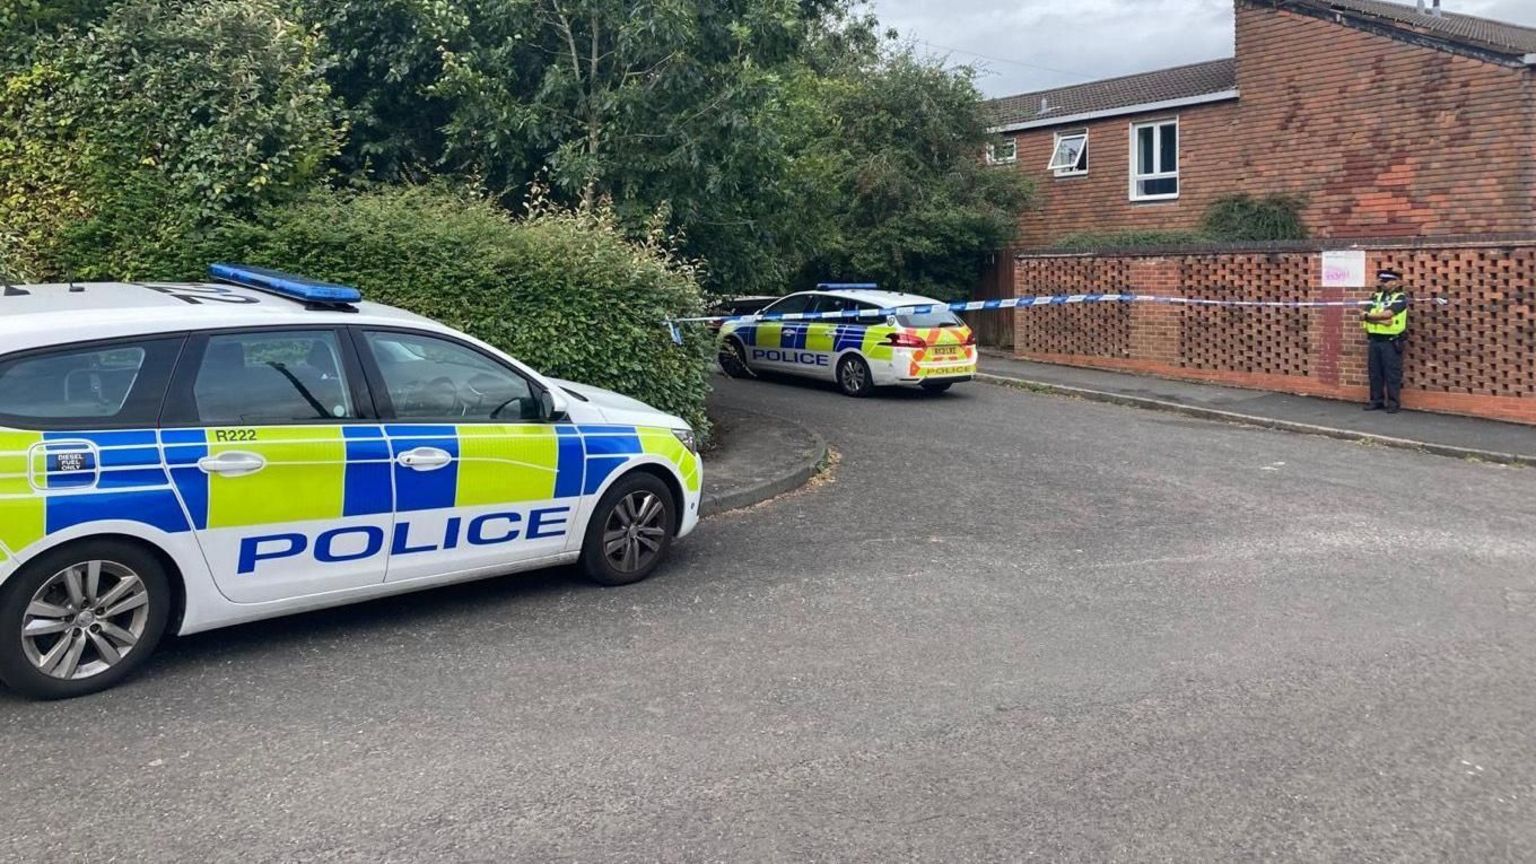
(1390, 121)
(1411, 136)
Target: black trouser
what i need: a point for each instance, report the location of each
(1386, 368)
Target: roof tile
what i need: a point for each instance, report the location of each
(1182, 82)
(1462, 28)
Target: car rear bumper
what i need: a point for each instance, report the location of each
(939, 372)
(946, 379)
(909, 366)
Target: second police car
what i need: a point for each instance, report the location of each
(861, 349)
(181, 457)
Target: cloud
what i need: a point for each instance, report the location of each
(1027, 45)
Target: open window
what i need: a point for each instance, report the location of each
(1155, 160)
(1070, 158)
(1003, 152)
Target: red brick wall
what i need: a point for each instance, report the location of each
(1384, 138)
(1100, 199)
(1475, 355)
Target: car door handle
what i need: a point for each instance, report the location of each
(424, 458)
(232, 464)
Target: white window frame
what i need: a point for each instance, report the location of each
(1082, 155)
(992, 157)
(1157, 159)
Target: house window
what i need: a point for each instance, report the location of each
(1155, 161)
(1003, 152)
(1070, 157)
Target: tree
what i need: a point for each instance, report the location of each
(384, 62)
(777, 137)
(893, 152)
(670, 106)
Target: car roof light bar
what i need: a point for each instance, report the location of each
(286, 284)
(848, 286)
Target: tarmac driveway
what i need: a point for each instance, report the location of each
(1013, 627)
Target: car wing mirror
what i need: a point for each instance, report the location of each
(552, 406)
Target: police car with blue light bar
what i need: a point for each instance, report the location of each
(181, 457)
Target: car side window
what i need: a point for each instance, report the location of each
(272, 377)
(791, 305)
(866, 309)
(828, 303)
(433, 379)
(116, 384)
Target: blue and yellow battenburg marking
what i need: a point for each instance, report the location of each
(53, 481)
(819, 338)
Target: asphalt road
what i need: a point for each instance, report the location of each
(1016, 627)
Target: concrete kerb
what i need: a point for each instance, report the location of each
(812, 455)
(1262, 422)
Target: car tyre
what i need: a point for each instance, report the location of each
(854, 377)
(733, 359)
(937, 386)
(630, 531)
(81, 618)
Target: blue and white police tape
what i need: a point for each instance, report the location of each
(1042, 300)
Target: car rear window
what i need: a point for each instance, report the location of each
(936, 318)
(100, 386)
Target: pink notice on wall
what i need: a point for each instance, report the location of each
(1344, 268)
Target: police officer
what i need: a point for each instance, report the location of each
(1386, 325)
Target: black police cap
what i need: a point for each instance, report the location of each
(1388, 275)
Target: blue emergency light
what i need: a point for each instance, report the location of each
(286, 284)
(848, 286)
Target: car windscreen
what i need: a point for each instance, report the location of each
(935, 318)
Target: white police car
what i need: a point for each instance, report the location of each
(190, 456)
(877, 338)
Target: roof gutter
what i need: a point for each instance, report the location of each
(1142, 108)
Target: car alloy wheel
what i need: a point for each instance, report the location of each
(84, 620)
(630, 531)
(853, 376)
(635, 533)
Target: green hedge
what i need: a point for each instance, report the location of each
(1233, 219)
(166, 115)
(1239, 218)
(567, 294)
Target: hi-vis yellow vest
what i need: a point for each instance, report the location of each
(1379, 303)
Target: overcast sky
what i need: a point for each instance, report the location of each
(1022, 45)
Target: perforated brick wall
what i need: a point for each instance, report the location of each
(1253, 340)
(1483, 343)
(1095, 331)
(1474, 355)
